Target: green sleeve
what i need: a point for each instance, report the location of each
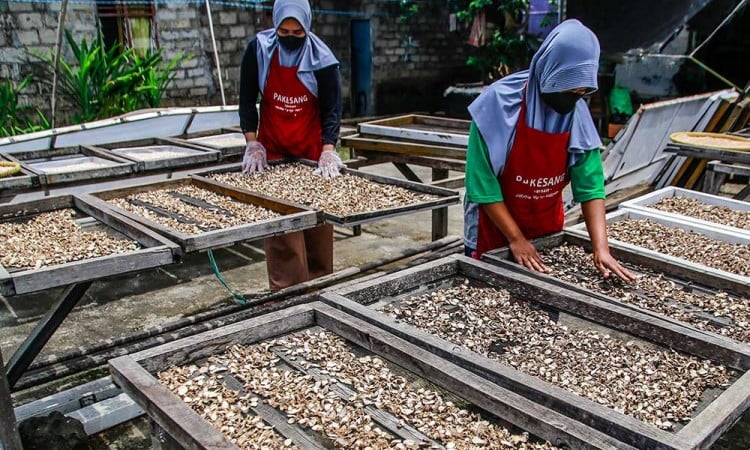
(481, 183)
(587, 177)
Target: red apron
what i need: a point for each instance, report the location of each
(290, 126)
(289, 116)
(535, 173)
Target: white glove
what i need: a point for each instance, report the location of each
(255, 158)
(329, 164)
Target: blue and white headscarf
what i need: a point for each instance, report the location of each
(568, 59)
(313, 55)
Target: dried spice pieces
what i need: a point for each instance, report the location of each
(332, 405)
(694, 247)
(660, 387)
(54, 238)
(224, 212)
(716, 312)
(342, 196)
(697, 209)
(202, 388)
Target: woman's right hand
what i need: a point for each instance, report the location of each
(254, 159)
(526, 255)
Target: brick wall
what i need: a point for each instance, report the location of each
(408, 59)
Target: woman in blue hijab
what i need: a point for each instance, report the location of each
(298, 79)
(530, 135)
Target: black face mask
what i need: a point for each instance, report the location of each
(561, 102)
(291, 42)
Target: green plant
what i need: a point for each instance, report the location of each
(102, 82)
(157, 77)
(18, 119)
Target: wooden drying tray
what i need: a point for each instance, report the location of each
(718, 279)
(136, 375)
(23, 179)
(194, 154)
(35, 162)
(418, 128)
(364, 144)
(445, 197)
(720, 141)
(155, 250)
(705, 282)
(293, 217)
(206, 139)
(704, 428)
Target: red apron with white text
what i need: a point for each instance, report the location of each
(289, 116)
(532, 181)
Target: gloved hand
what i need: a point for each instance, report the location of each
(329, 164)
(255, 158)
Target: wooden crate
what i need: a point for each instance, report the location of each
(446, 197)
(58, 165)
(645, 202)
(700, 432)
(135, 374)
(293, 217)
(420, 128)
(502, 257)
(733, 282)
(190, 154)
(155, 250)
(21, 180)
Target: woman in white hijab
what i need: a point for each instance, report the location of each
(298, 79)
(530, 135)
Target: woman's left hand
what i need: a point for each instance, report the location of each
(329, 164)
(607, 264)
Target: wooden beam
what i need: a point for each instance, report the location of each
(440, 215)
(436, 163)
(451, 183)
(161, 405)
(358, 142)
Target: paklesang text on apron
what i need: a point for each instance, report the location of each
(289, 116)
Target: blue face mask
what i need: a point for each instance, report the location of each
(291, 43)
